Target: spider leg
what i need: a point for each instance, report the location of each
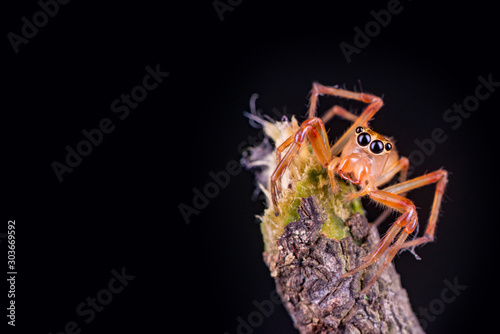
(329, 114)
(393, 250)
(319, 89)
(332, 170)
(405, 224)
(314, 130)
(362, 120)
(338, 110)
(286, 144)
(400, 166)
(440, 177)
(375, 103)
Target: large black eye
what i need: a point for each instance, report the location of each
(377, 146)
(364, 139)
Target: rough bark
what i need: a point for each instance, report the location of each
(307, 270)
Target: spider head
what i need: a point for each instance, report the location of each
(365, 156)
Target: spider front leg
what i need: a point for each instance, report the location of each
(314, 130)
(374, 105)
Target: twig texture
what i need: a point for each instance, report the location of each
(307, 270)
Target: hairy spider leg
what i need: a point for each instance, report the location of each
(319, 89)
(375, 103)
(314, 130)
(440, 177)
(408, 220)
(401, 166)
(286, 144)
(338, 110)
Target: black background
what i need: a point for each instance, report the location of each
(119, 207)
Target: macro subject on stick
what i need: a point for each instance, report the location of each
(324, 256)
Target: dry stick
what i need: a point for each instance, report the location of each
(307, 270)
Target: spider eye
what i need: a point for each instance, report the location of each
(364, 139)
(359, 129)
(388, 146)
(377, 147)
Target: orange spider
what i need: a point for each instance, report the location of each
(368, 160)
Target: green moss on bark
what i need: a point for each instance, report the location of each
(310, 179)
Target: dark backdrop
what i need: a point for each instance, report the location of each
(116, 214)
